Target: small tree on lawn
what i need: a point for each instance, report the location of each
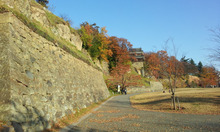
(173, 72)
(172, 69)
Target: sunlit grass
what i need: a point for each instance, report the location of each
(192, 101)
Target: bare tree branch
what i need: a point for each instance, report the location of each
(215, 51)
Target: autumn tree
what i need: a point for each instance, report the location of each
(123, 76)
(189, 66)
(171, 68)
(209, 76)
(104, 47)
(87, 33)
(119, 48)
(120, 63)
(95, 41)
(153, 62)
(163, 66)
(43, 2)
(112, 49)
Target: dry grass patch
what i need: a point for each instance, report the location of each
(192, 101)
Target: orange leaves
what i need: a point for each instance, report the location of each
(104, 31)
(157, 63)
(209, 76)
(161, 65)
(104, 47)
(153, 61)
(119, 47)
(122, 76)
(88, 29)
(95, 41)
(121, 72)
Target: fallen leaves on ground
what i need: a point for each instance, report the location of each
(136, 125)
(115, 119)
(109, 111)
(100, 115)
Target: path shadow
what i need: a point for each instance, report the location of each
(215, 101)
(80, 129)
(28, 121)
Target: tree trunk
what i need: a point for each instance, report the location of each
(174, 101)
(178, 103)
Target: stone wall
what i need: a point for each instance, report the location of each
(154, 87)
(5, 86)
(103, 66)
(36, 12)
(40, 82)
(22, 5)
(139, 67)
(138, 90)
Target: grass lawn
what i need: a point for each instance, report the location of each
(192, 101)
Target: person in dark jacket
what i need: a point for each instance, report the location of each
(125, 90)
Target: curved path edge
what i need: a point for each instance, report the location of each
(68, 128)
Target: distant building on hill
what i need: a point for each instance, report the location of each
(137, 56)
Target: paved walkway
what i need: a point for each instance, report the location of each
(118, 115)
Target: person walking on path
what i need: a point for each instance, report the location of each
(119, 89)
(125, 90)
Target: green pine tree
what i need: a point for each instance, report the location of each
(200, 66)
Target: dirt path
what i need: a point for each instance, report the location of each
(118, 115)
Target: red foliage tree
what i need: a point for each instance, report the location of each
(121, 63)
(209, 77)
(163, 66)
(122, 75)
(153, 64)
(119, 48)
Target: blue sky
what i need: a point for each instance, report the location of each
(149, 23)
